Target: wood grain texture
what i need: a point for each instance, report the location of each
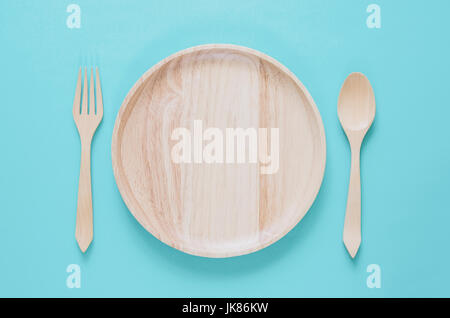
(87, 120)
(217, 210)
(356, 111)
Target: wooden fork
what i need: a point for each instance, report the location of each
(87, 121)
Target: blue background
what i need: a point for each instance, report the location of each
(405, 157)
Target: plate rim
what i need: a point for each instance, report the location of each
(126, 102)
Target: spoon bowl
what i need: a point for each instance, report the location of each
(356, 105)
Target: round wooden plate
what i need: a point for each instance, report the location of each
(224, 206)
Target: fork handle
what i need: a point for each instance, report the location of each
(84, 227)
(352, 224)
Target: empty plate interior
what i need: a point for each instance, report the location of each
(218, 209)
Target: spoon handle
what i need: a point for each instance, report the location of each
(352, 225)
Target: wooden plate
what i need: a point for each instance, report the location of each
(228, 208)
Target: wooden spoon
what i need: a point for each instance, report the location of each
(356, 111)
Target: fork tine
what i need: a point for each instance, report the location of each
(76, 100)
(91, 94)
(99, 94)
(84, 105)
